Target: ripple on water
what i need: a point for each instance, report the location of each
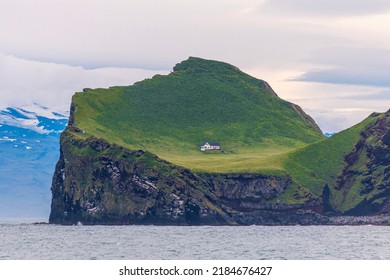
(27, 241)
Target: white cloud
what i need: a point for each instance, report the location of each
(94, 34)
(348, 75)
(335, 107)
(380, 95)
(24, 82)
(334, 8)
(355, 66)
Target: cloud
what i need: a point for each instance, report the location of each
(134, 34)
(24, 82)
(335, 107)
(361, 76)
(354, 66)
(350, 56)
(381, 96)
(151, 34)
(329, 8)
(337, 120)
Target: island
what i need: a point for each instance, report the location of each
(133, 155)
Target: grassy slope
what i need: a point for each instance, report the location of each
(355, 191)
(320, 163)
(201, 100)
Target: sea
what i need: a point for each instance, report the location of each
(29, 241)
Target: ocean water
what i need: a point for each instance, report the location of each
(30, 241)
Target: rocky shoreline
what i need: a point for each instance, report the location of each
(381, 220)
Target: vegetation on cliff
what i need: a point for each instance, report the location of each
(354, 164)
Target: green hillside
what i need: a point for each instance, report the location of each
(319, 164)
(201, 100)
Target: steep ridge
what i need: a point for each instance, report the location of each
(363, 186)
(352, 165)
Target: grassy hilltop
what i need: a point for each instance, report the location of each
(201, 100)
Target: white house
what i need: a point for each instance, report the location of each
(208, 146)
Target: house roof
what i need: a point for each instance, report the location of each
(211, 143)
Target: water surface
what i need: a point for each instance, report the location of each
(29, 241)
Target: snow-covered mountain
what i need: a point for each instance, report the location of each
(29, 149)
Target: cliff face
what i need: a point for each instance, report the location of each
(96, 182)
(363, 186)
(99, 183)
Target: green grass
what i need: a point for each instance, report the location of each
(201, 100)
(320, 163)
(267, 161)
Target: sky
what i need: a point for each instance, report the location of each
(330, 57)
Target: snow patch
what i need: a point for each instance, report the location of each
(6, 138)
(27, 117)
(31, 124)
(43, 111)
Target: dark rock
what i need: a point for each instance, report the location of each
(97, 144)
(386, 139)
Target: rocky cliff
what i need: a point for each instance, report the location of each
(96, 182)
(363, 185)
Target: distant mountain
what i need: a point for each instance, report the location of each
(29, 148)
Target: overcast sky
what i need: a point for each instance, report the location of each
(330, 57)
